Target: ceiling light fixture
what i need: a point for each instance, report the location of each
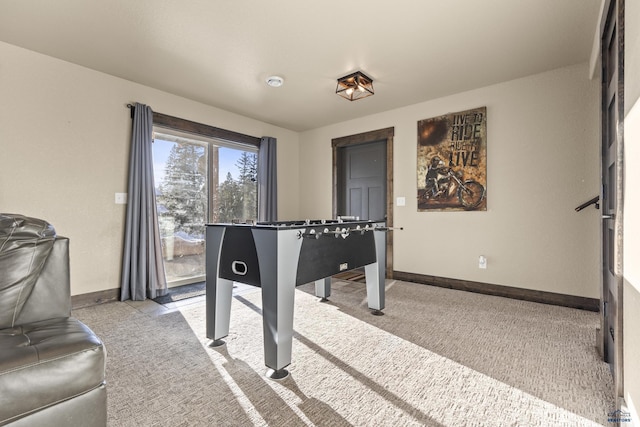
(355, 86)
(275, 81)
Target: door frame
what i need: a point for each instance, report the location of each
(613, 9)
(363, 138)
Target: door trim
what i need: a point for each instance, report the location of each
(618, 7)
(362, 138)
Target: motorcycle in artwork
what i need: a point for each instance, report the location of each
(448, 188)
(452, 162)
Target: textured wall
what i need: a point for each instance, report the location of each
(64, 137)
(542, 162)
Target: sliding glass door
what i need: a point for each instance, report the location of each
(198, 180)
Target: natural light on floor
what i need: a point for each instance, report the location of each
(339, 357)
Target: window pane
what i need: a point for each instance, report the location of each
(181, 197)
(237, 190)
(199, 180)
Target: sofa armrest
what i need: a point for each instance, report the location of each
(51, 295)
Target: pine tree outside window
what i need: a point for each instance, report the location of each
(199, 180)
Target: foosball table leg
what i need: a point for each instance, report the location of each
(323, 289)
(278, 260)
(219, 311)
(375, 288)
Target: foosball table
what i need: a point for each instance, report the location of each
(278, 256)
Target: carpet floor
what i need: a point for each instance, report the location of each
(438, 357)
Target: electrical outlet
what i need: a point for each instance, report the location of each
(482, 262)
(121, 198)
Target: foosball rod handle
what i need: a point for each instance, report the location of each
(388, 228)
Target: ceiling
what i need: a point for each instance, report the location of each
(219, 52)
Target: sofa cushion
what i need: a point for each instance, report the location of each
(47, 362)
(25, 244)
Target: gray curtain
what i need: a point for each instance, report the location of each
(142, 265)
(267, 180)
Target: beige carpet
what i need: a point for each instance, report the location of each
(438, 357)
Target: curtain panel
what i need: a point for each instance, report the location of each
(142, 264)
(267, 180)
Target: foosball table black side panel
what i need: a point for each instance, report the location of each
(331, 255)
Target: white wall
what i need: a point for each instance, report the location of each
(64, 132)
(543, 161)
(631, 257)
(64, 148)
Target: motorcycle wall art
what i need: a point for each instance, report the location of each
(452, 162)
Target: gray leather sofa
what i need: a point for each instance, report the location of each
(52, 366)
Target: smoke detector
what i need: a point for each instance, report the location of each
(275, 81)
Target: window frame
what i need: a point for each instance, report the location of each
(227, 138)
(210, 137)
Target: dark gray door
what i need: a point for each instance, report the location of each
(362, 180)
(612, 116)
